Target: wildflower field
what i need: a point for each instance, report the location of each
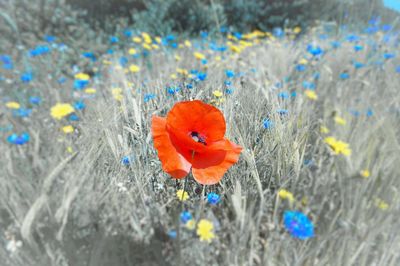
(272, 147)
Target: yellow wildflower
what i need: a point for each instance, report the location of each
(199, 56)
(61, 110)
(365, 173)
(134, 68)
(68, 129)
(324, 130)
(173, 76)
(132, 51)
(182, 71)
(182, 195)
(217, 93)
(82, 76)
(284, 194)
(381, 204)
(311, 94)
(155, 46)
(69, 149)
(338, 146)
(177, 58)
(13, 105)
(297, 30)
(90, 91)
(339, 120)
(303, 61)
(146, 46)
(204, 230)
(188, 43)
(191, 224)
(137, 39)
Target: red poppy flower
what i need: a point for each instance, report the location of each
(192, 137)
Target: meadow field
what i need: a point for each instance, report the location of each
(316, 111)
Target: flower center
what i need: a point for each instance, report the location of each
(198, 138)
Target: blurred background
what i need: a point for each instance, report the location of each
(82, 19)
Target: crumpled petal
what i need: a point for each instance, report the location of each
(210, 175)
(172, 162)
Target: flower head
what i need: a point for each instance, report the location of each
(213, 198)
(284, 194)
(182, 195)
(18, 139)
(191, 137)
(338, 146)
(298, 224)
(205, 230)
(61, 110)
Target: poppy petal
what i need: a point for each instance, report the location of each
(172, 162)
(213, 174)
(197, 116)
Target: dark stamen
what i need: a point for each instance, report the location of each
(196, 137)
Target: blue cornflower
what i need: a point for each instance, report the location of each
(358, 65)
(278, 32)
(73, 117)
(229, 91)
(268, 124)
(126, 160)
(213, 198)
(398, 69)
(128, 33)
(344, 75)
(370, 112)
(293, 94)
(387, 27)
(7, 62)
(204, 34)
(26, 77)
(308, 85)
(90, 56)
(301, 67)
(79, 105)
(335, 44)
(229, 73)
(186, 216)
(39, 50)
(201, 76)
(238, 35)
(389, 56)
(61, 80)
(282, 111)
(298, 224)
(283, 95)
(189, 86)
(18, 139)
(80, 84)
(227, 82)
(49, 38)
(114, 39)
(358, 47)
(148, 97)
(35, 100)
(123, 61)
(172, 234)
(314, 50)
(204, 61)
(352, 38)
(22, 112)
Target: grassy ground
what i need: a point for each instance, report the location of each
(70, 200)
